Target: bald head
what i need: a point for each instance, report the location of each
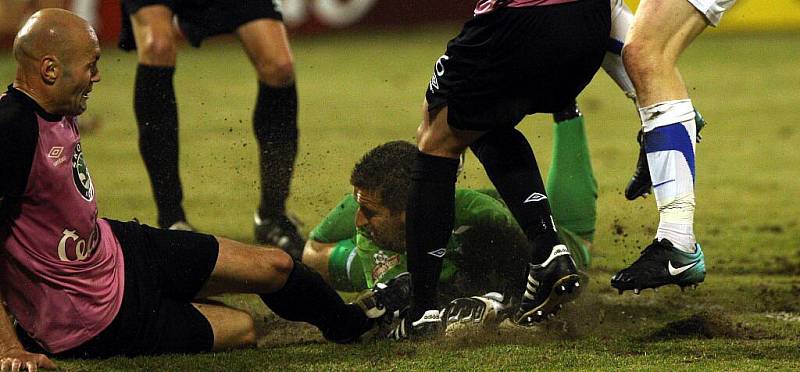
(55, 32)
(57, 54)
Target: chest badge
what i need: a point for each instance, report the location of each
(80, 174)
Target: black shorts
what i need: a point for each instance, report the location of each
(518, 61)
(200, 19)
(164, 271)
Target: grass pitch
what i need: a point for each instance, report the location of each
(360, 89)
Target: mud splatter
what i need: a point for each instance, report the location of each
(707, 324)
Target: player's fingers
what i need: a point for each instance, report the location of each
(31, 366)
(5, 364)
(15, 364)
(8, 364)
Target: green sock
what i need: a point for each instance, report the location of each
(571, 186)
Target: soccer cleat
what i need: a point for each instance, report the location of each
(385, 299)
(662, 264)
(280, 231)
(641, 183)
(429, 325)
(550, 284)
(474, 313)
(181, 226)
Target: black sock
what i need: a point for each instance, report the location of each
(570, 112)
(306, 297)
(509, 161)
(157, 118)
(429, 223)
(275, 125)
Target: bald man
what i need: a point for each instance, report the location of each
(83, 286)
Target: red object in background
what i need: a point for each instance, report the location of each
(109, 17)
(307, 18)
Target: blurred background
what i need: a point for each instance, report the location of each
(306, 17)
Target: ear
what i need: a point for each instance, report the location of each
(49, 68)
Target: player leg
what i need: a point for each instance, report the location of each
(338, 264)
(430, 214)
(157, 111)
(571, 186)
(275, 126)
(661, 31)
(621, 20)
(552, 276)
(289, 288)
(232, 328)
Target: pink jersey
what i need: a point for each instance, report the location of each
(486, 6)
(61, 267)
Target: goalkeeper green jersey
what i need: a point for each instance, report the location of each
(487, 250)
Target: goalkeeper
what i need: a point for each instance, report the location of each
(361, 242)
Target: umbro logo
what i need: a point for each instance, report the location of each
(439, 253)
(676, 271)
(535, 197)
(55, 152)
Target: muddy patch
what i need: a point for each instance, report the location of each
(707, 325)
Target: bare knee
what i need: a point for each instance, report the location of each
(157, 49)
(435, 136)
(276, 73)
(316, 255)
(641, 60)
(279, 263)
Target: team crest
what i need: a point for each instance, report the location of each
(383, 263)
(80, 174)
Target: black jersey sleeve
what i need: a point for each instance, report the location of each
(18, 136)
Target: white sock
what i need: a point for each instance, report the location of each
(621, 19)
(670, 132)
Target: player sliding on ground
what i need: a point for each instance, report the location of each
(83, 286)
(361, 242)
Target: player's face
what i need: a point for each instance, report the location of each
(383, 226)
(80, 72)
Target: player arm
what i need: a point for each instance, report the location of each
(12, 354)
(316, 255)
(18, 136)
(331, 247)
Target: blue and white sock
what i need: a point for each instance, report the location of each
(670, 133)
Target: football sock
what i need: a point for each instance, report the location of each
(306, 297)
(430, 216)
(510, 164)
(669, 140)
(571, 186)
(275, 126)
(157, 118)
(621, 19)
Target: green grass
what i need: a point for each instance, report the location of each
(360, 89)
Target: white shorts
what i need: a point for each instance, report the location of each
(712, 9)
